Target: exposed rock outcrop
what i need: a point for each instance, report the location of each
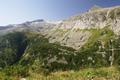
(72, 28)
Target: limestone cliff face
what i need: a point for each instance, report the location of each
(99, 18)
(70, 31)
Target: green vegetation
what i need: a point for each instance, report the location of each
(25, 54)
(104, 35)
(105, 73)
(12, 47)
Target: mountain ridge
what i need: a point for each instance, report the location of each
(74, 31)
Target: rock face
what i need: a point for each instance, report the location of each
(95, 18)
(94, 8)
(74, 32)
(35, 26)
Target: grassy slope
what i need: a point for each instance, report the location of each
(105, 73)
(104, 35)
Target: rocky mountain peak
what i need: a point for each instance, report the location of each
(95, 7)
(38, 20)
(77, 30)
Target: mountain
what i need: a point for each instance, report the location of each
(89, 40)
(60, 32)
(4, 27)
(95, 7)
(75, 31)
(35, 26)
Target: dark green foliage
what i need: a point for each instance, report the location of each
(96, 55)
(44, 56)
(101, 52)
(47, 55)
(114, 43)
(32, 51)
(12, 47)
(16, 70)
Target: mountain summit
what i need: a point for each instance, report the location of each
(95, 7)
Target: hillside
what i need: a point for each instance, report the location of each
(75, 31)
(85, 46)
(32, 52)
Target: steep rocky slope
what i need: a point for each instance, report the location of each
(35, 26)
(75, 31)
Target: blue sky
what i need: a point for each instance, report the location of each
(17, 11)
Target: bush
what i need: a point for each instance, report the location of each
(16, 70)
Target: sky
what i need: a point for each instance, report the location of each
(18, 11)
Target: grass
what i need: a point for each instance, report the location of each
(105, 73)
(99, 34)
